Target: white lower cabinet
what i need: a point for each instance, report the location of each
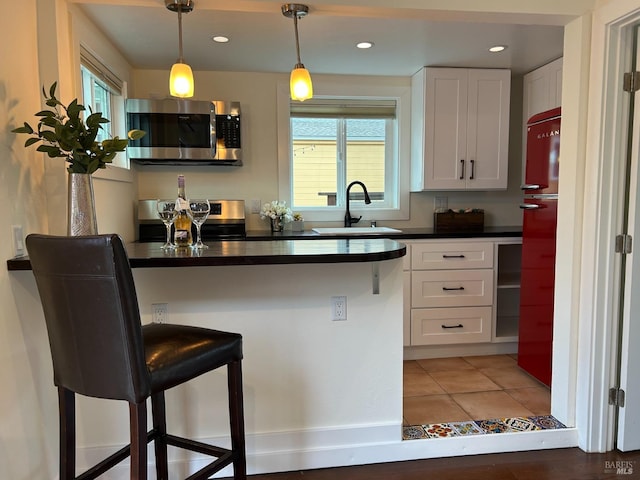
(451, 288)
(406, 295)
(464, 292)
(437, 326)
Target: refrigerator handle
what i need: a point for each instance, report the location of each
(461, 169)
(530, 206)
(530, 186)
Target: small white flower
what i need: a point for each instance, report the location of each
(276, 209)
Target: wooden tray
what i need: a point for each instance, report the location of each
(451, 221)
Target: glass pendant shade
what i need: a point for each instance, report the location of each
(300, 84)
(181, 81)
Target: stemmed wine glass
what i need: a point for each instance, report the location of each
(199, 214)
(167, 213)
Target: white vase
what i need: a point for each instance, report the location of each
(81, 213)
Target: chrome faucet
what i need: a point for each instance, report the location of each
(348, 219)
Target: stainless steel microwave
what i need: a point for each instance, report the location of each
(185, 132)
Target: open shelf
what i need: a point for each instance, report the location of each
(507, 302)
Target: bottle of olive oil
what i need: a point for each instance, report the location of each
(182, 236)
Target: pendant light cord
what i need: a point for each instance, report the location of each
(180, 58)
(295, 26)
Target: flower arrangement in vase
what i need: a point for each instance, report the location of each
(65, 133)
(278, 214)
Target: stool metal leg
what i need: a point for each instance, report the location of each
(236, 416)
(67, 412)
(160, 428)
(138, 432)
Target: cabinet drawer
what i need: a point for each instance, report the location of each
(451, 288)
(437, 326)
(448, 256)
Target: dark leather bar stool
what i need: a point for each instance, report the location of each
(100, 349)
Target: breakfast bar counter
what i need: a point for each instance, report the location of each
(234, 252)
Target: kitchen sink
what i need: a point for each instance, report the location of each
(354, 230)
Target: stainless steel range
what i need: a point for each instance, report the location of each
(226, 221)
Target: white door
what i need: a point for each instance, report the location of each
(628, 421)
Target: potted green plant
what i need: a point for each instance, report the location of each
(63, 132)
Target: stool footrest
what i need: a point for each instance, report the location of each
(224, 456)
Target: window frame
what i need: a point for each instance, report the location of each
(99, 73)
(328, 89)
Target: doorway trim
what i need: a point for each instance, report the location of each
(602, 210)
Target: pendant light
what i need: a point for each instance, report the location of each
(181, 77)
(300, 81)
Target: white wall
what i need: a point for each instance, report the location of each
(27, 401)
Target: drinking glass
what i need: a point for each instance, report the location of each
(199, 213)
(167, 213)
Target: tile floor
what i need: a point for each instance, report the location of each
(462, 389)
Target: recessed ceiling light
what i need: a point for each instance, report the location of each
(497, 48)
(220, 39)
(364, 45)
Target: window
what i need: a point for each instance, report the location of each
(102, 92)
(349, 131)
(97, 96)
(334, 142)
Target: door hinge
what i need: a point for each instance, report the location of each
(624, 243)
(631, 82)
(616, 397)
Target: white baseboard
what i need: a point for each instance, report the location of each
(344, 446)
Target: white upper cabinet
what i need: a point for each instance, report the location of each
(460, 129)
(542, 89)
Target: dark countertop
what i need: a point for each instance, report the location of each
(255, 252)
(405, 234)
(259, 249)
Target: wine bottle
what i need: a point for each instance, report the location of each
(182, 236)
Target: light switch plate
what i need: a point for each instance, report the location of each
(18, 241)
(255, 205)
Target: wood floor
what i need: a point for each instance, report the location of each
(561, 464)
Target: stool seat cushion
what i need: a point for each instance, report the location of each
(178, 353)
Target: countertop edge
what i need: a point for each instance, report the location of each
(150, 255)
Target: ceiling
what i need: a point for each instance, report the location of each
(262, 39)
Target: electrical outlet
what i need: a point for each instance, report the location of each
(256, 206)
(18, 241)
(339, 308)
(441, 204)
(159, 312)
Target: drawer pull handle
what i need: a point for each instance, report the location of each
(453, 326)
(452, 256)
(448, 289)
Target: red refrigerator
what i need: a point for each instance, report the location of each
(539, 244)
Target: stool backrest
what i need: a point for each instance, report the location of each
(92, 316)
